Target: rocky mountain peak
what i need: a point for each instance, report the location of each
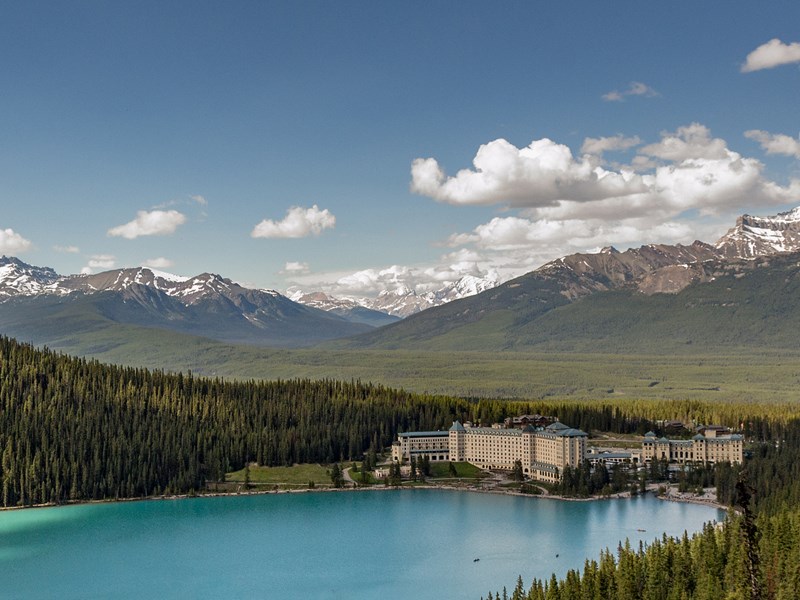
(759, 236)
(21, 279)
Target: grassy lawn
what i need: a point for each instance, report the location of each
(464, 470)
(297, 475)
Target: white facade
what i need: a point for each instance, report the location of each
(543, 453)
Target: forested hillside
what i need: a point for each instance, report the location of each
(73, 429)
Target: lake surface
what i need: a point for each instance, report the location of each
(418, 544)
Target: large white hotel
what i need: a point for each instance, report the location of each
(542, 452)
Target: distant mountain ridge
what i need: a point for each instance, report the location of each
(401, 301)
(206, 305)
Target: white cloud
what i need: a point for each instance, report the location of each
(542, 174)
(690, 141)
(199, 199)
(98, 261)
(635, 88)
(770, 55)
(158, 263)
(697, 172)
(154, 222)
(298, 223)
(295, 268)
(396, 278)
(569, 235)
(12, 242)
(67, 249)
(691, 186)
(775, 143)
(597, 146)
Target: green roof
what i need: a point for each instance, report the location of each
(424, 434)
(557, 426)
(496, 431)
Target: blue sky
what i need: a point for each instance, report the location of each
(319, 144)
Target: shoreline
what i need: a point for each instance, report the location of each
(672, 495)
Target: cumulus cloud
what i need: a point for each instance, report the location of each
(298, 223)
(200, 200)
(541, 174)
(569, 235)
(770, 55)
(400, 279)
(67, 249)
(688, 170)
(615, 143)
(687, 185)
(635, 88)
(690, 141)
(13, 243)
(158, 263)
(98, 261)
(295, 268)
(154, 222)
(775, 143)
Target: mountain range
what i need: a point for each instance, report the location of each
(662, 295)
(208, 305)
(654, 298)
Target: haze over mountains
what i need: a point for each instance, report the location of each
(667, 294)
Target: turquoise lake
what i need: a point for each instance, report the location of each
(390, 545)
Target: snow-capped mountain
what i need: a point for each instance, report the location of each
(207, 304)
(400, 301)
(759, 236)
(655, 268)
(621, 291)
(20, 279)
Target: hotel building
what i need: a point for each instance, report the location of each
(711, 447)
(543, 452)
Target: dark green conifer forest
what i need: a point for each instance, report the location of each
(72, 429)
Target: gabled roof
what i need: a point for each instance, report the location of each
(457, 426)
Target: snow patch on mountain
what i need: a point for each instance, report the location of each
(400, 301)
(20, 279)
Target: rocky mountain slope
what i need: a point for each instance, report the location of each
(761, 236)
(507, 315)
